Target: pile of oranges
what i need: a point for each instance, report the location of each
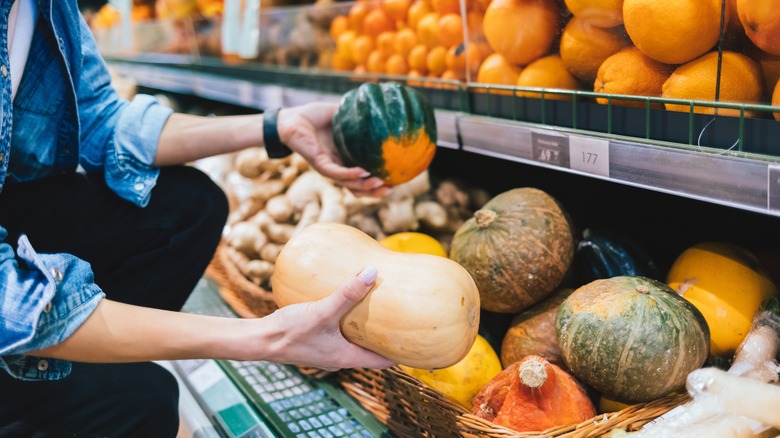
(657, 48)
(415, 38)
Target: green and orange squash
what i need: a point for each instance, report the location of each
(633, 339)
(518, 247)
(388, 129)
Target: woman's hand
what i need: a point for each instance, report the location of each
(309, 333)
(307, 129)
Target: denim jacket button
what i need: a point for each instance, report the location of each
(43, 365)
(56, 274)
(47, 309)
(4, 70)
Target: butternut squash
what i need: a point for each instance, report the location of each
(423, 311)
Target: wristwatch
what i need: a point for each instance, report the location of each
(273, 144)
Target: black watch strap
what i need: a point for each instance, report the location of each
(273, 144)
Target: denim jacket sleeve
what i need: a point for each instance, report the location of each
(117, 136)
(44, 298)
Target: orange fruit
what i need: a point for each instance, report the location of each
(673, 31)
(584, 47)
(770, 65)
(761, 20)
(436, 61)
(496, 69)
(474, 21)
(450, 30)
(428, 30)
(414, 74)
(405, 40)
(396, 65)
(376, 62)
(630, 71)
(396, 9)
(521, 30)
(341, 63)
(385, 43)
(417, 10)
(601, 13)
(418, 59)
(357, 15)
(443, 7)
(456, 60)
(377, 22)
(474, 58)
(338, 26)
(345, 43)
(740, 81)
(547, 72)
(361, 48)
(776, 99)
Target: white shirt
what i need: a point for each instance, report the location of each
(21, 24)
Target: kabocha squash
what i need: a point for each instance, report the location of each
(727, 284)
(422, 312)
(608, 253)
(631, 338)
(460, 382)
(388, 129)
(533, 395)
(532, 332)
(413, 242)
(517, 248)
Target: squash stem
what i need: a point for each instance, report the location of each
(484, 217)
(533, 374)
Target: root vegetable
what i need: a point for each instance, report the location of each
(279, 233)
(250, 162)
(265, 190)
(270, 252)
(299, 163)
(413, 188)
(305, 189)
(367, 224)
(288, 175)
(431, 214)
(259, 271)
(279, 208)
(245, 237)
(398, 216)
(309, 216)
(332, 207)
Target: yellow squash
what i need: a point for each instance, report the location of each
(727, 284)
(414, 242)
(422, 312)
(463, 380)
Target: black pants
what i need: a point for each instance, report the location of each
(149, 256)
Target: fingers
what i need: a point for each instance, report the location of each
(363, 358)
(353, 178)
(350, 292)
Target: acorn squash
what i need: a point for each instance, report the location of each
(518, 247)
(607, 253)
(423, 310)
(727, 284)
(388, 129)
(460, 382)
(631, 338)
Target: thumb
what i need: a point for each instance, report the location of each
(351, 292)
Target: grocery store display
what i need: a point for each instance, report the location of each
(630, 71)
(423, 311)
(518, 247)
(631, 338)
(533, 395)
(727, 284)
(461, 382)
(388, 129)
(532, 332)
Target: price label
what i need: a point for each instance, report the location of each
(550, 149)
(773, 187)
(590, 155)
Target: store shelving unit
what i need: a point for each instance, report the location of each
(732, 176)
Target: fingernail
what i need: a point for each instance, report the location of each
(368, 276)
(378, 183)
(365, 174)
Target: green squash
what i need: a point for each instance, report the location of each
(634, 339)
(388, 129)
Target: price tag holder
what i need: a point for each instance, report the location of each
(773, 187)
(589, 155)
(552, 149)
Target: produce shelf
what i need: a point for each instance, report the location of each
(731, 177)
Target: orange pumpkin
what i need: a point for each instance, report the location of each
(533, 395)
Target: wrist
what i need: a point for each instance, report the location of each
(273, 142)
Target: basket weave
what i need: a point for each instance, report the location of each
(412, 409)
(255, 299)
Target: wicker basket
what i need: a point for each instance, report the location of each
(254, 299)
(412, 409)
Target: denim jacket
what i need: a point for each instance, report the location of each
(65, 115)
